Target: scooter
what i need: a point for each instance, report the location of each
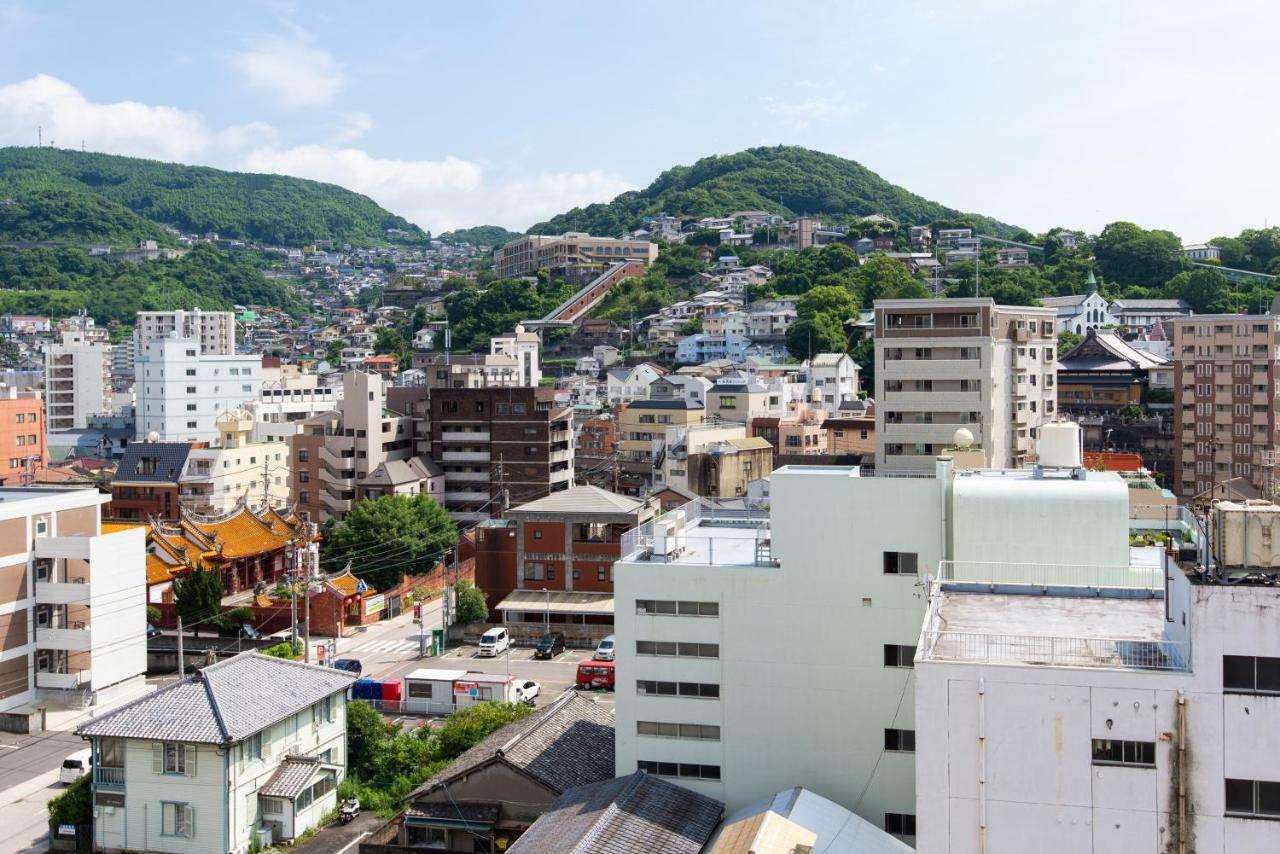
(349, 810)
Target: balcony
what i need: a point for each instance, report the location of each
(64, 547)
(335, 504)
(910, 431)
(561, 456)
(69, 592)
(465, 457)
(108, 778)
(61, 681)
(74, 639)
(934, 369)
(464, 437)
(932, 401)
(480, 476)
(452, 496)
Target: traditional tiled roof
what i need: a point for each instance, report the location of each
(225, 702)
(347, 584)
(582, 500)
(568, 743)
(241, 533)
(638, 814)
(117, 527)
(158, 571)
(291, 777)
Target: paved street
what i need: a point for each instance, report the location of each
(28, 779)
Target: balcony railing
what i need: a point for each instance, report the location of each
(1044, 650)
(109, 778)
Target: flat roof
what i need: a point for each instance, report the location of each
(427, 674)
(713, 542)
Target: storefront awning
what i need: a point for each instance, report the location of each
(558, 602)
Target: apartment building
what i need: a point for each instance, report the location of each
(213, 331)
(23, 443)
(335, 450)
(182, 389)
(694, 587)
(288, 396)
(642, 432)
(146, 481)
(833, 380)
(72, 600)
(500, 447)
(1225, 379)
(803, 431)
(560, 572)
(564, 254)
(77, 378)
(947, 364)
(245, 753)
(1137, 716)
(236, 470)
(523, 347)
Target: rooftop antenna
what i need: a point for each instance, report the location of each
(39, 136)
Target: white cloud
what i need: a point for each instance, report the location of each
(800, 114)
(290, 68)
(438, 195)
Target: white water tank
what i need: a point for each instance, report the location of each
(1059, 445)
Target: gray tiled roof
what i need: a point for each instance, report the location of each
(170, 457)
(583, 499)
(291, 777)
(637, 814)
(225, 702)
(568, 743)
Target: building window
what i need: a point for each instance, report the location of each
(899, 655)
(702, 690)
(900, 824)
(272, 806)
(1141, 754)
(679, 650)
(420, 690)
(191, 389)
(687, 770)
(601, 573)
(900, 563)
(671, 608)
(1247, 674)
(171, 757)
(903, 740)
(1258, 798)
(704, 732)
(253, 746)
(176, 819)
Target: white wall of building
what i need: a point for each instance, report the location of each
(76, 379)
(181, 392)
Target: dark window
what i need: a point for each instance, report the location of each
(898, 655)
(1253, 798)
(1108, 751)
(900, 824)
(900, 739)
(1251, 674)
(900, 563)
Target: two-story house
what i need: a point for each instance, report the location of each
(247, 748)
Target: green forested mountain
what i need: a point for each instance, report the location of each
(73, 217)
(265, 208)
(783, 179)
(480, 235)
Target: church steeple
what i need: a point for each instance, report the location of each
(1091, 284)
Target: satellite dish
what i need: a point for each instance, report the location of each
(963, 437)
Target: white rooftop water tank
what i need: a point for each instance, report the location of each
(1059, 445)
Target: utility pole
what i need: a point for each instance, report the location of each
(266, 481)
(293, 598)
(181, 668)
(306, 608)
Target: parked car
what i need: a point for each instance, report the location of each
(152, 632)
(604, 650)
(250, 632)
(494, 642)
(351, 665)
(549, 645)
(526, 690)
(74, 767)
(595, 676)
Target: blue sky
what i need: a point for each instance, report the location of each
(483, 112)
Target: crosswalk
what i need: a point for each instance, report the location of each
(371, 647)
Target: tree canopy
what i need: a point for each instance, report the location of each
(198, 597)
(389, 537)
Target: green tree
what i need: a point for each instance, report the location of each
(367, 735)
(821, 333)
(1207, 290)
(389, 537)
(881, 277)
(72, 806)
(827, 299)
(470, 603)
(198, 597)
(692, 326)
(1130, 254)
(1067, 341)
(466, 727)
(864, 353)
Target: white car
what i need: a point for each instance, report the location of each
(527, 690)
(604, 651)
(74, 767)
(494, 642)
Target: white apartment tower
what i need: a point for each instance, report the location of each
(946, 364)
(77, 377)
(523, 347)
(181, 390)
(214, 331)
(760, 652)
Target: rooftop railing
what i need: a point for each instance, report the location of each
(688, 534)
(1044, 650)
(1046, 575)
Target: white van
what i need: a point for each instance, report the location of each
(604, 651)
(494, 641)
(73, 767)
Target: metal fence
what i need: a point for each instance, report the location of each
(1053, 575)
(699, 514)
(1055, 651)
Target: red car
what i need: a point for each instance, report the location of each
(595, 676)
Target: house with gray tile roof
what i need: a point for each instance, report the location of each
(204, 764)
(500, 786)
(637, 814)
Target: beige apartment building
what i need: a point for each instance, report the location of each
(642, 438)
(567, 254)
(215, 330)
(1225, 381)
(946, 364)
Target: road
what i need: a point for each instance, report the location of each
(28, 779)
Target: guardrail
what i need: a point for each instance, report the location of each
(1053, 575)
(1112, 653)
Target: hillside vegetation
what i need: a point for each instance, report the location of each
(785, 179)
(271, 209)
